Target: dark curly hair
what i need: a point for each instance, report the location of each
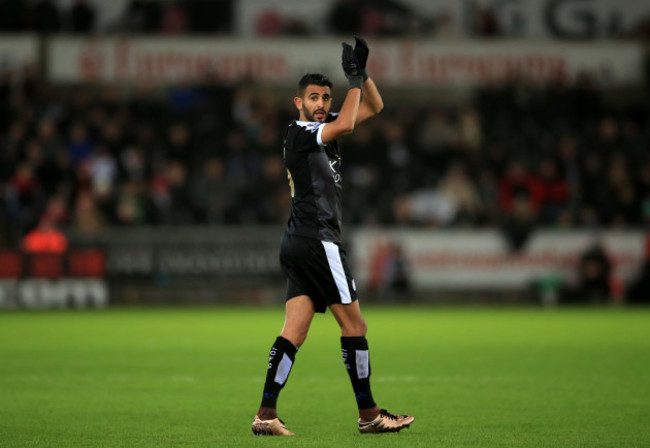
(314, 79)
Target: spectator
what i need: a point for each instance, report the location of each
(608, 141)
(43, 234)
(179, 144)
(132, 164)
(444, 26)
(428, 166)
(58, 175)
(113, 137)
(554, 191)
(392, 152)
(432, 208)
(86, 218)
(488, 191)
(436, 138)
(45, 238)
(81, 17)
(211, 193)
(639, 289)
(183, 98)
(518, 184)
(269, 23)
(12, 16)
(48, 137)
(345, 17)
(218, 94)
(45, 17)
(79, 146)
(594, 190)
(144, 106)
(643, 190)
(626, 209)
(103, 171)
(131, 204)
(569, 164)
(202, 17)
(24, 197)
(457, 186)
(396, 282)
(174, 19)
(11, 147)
(519, 223)
(272, 179)
(390, 18)
(486, 23)
(143, 16)
(594, 276)
(170, 195)
(469, 130)
(295, 26)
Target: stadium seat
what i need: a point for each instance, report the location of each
(11, 264)
(87, 263)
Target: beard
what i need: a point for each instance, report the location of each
(310, 116)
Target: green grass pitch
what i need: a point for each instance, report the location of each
(193, 378)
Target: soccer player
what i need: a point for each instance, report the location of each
(311, 254)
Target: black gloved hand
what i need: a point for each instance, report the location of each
(351, 67)
(361, 51)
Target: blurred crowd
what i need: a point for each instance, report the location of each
(387, 18)
(45, 16)
(518, 157)
(521, 156)
(138, 16)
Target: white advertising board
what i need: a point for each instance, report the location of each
(17, 51)
(395, 63)
(37, 293)
(481, 260)
(515, 18)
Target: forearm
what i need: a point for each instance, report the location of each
(350, 109)
(346, 119)
(371, 97)
(371, 103)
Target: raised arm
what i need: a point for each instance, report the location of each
(347, 118)
(371, 102)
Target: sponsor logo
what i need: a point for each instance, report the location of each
(335, 173)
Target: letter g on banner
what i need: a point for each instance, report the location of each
(571, 18)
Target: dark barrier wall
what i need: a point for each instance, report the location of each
(227, 253)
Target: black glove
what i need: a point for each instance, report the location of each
(361, 51)
(351, 67)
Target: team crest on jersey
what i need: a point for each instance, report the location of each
(311, 126)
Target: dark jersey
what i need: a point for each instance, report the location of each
(315, 179)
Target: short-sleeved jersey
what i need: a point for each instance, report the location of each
(315, 179)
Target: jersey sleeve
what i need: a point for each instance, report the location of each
(330, 117)
(306, 136)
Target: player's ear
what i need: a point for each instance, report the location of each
(298, 102)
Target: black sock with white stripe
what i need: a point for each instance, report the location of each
(357, 361)
(281, 358)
